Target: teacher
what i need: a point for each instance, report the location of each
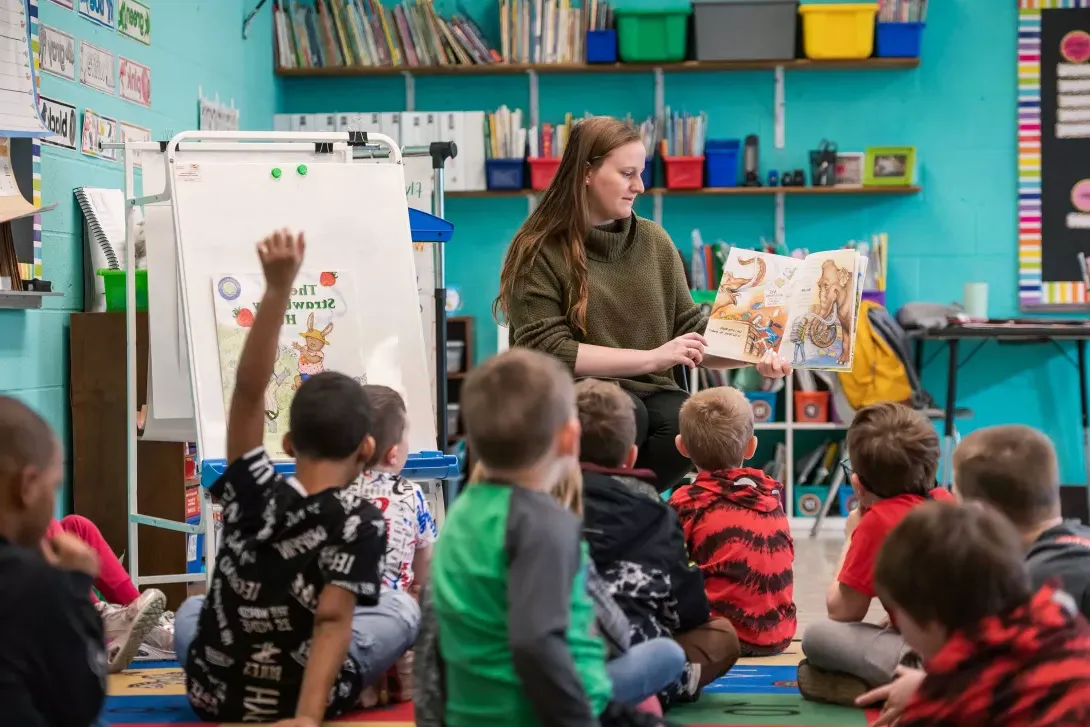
(604, 291)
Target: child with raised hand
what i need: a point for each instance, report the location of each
(734, 523)
(996, 653)
(294, 626)
(514, 621)
(894, 454)
(53, 660)
(410, 527)
(638, 547)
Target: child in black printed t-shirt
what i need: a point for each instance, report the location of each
(293, 626)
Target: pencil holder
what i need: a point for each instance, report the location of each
(505, 173)
(602, 46)
(722, 156)
(684, 172)
(898, 40)
(542, 171)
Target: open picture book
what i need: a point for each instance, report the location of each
(805, 309)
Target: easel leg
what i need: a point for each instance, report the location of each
(950, 411)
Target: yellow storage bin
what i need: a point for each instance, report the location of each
(840, 31)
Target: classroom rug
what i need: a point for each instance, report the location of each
(756, 692)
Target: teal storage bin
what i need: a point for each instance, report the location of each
(650, 34)
(808, 499)
(764, 405)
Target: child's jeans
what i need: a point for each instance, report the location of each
(380, 634)
(645, 670)
(113, 580)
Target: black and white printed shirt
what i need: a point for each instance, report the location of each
(280, 548)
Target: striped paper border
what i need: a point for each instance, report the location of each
(27, 271)
(1032, 290)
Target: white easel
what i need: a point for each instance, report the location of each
(325, 147)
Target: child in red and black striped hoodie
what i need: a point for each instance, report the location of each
(735, 526)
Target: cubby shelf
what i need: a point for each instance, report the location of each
(503, 69)
(726, 191)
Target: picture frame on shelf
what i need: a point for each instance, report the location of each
(889, 166)
(849, 169)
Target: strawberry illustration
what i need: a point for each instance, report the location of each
(243, 317)
(327, 279)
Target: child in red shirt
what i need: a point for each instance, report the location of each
(734, 523)
(894, 453)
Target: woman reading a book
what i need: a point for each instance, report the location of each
(603, 290)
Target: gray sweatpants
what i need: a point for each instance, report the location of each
(863, 650)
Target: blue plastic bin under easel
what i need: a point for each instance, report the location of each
(898, 40)
(721, 157)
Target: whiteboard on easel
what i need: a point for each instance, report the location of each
(419, 191)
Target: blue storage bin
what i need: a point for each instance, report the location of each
(648, 175)
(764, 405)
(721, 157)
(602, 46)
(898, 40)
(505, 173)
(847, 498)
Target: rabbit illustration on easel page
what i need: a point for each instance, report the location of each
(311, 358)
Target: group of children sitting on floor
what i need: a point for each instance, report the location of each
(564, 590)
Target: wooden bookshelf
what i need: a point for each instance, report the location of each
(504, 69)
(729, 192)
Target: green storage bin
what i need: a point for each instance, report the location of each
(113, 283)
(652, 35)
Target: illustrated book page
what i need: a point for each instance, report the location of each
(824, 307)
(320, 333)
(751, 307)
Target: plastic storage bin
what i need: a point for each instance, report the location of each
(542, 171)
(764, 405)
(722, 157)
(841, 31)
(648, 175)
(113, 283)
(455, 351)
(898, 40)
(848, 500)
(745, 30)
(811, 407)
(808, 499)
(684, 172)
(602, 46)
(505, 173)
(652, 35)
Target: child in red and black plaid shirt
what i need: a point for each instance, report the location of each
(734, 523)
(995, 654)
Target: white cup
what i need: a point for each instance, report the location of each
(975, 298)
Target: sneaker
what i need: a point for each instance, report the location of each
(690, 684)
(400, 679)
(127, 626)
(159, 643)
(817, 685)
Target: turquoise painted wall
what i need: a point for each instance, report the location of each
(958, 109)
(194, 43)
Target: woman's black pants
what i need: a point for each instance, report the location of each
(656, 429)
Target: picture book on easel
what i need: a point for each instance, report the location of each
(805, 309)
(319, 334)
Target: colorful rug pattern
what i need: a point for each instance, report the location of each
(755, 692)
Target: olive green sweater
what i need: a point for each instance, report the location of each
(638, 298)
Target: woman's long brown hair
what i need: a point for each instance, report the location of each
(563, 218)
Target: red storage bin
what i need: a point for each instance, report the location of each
(542, 171)
(811, 407)
(684, 172)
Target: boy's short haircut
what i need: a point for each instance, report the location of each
(513, 405)
(389, 417)
(894, 450)
(26, 440)
(330, 417)
(607, 416)
(1014, 469)
(952, 564)
(716, 426)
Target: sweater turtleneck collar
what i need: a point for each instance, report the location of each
(609, 242)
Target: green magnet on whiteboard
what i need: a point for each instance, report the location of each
(276, 172)
(302, 169)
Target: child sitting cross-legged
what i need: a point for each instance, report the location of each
(638, 547)
(734, 523)
(508, 584)
(293, 626)
(894, 454)
(996, 653)
(410, 528)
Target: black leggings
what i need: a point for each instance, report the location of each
(656, 428)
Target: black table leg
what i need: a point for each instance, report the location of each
(950, 410)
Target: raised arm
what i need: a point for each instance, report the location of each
(281, 255)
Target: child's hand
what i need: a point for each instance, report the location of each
(281, 255)
(70, 553)
(852, 521)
